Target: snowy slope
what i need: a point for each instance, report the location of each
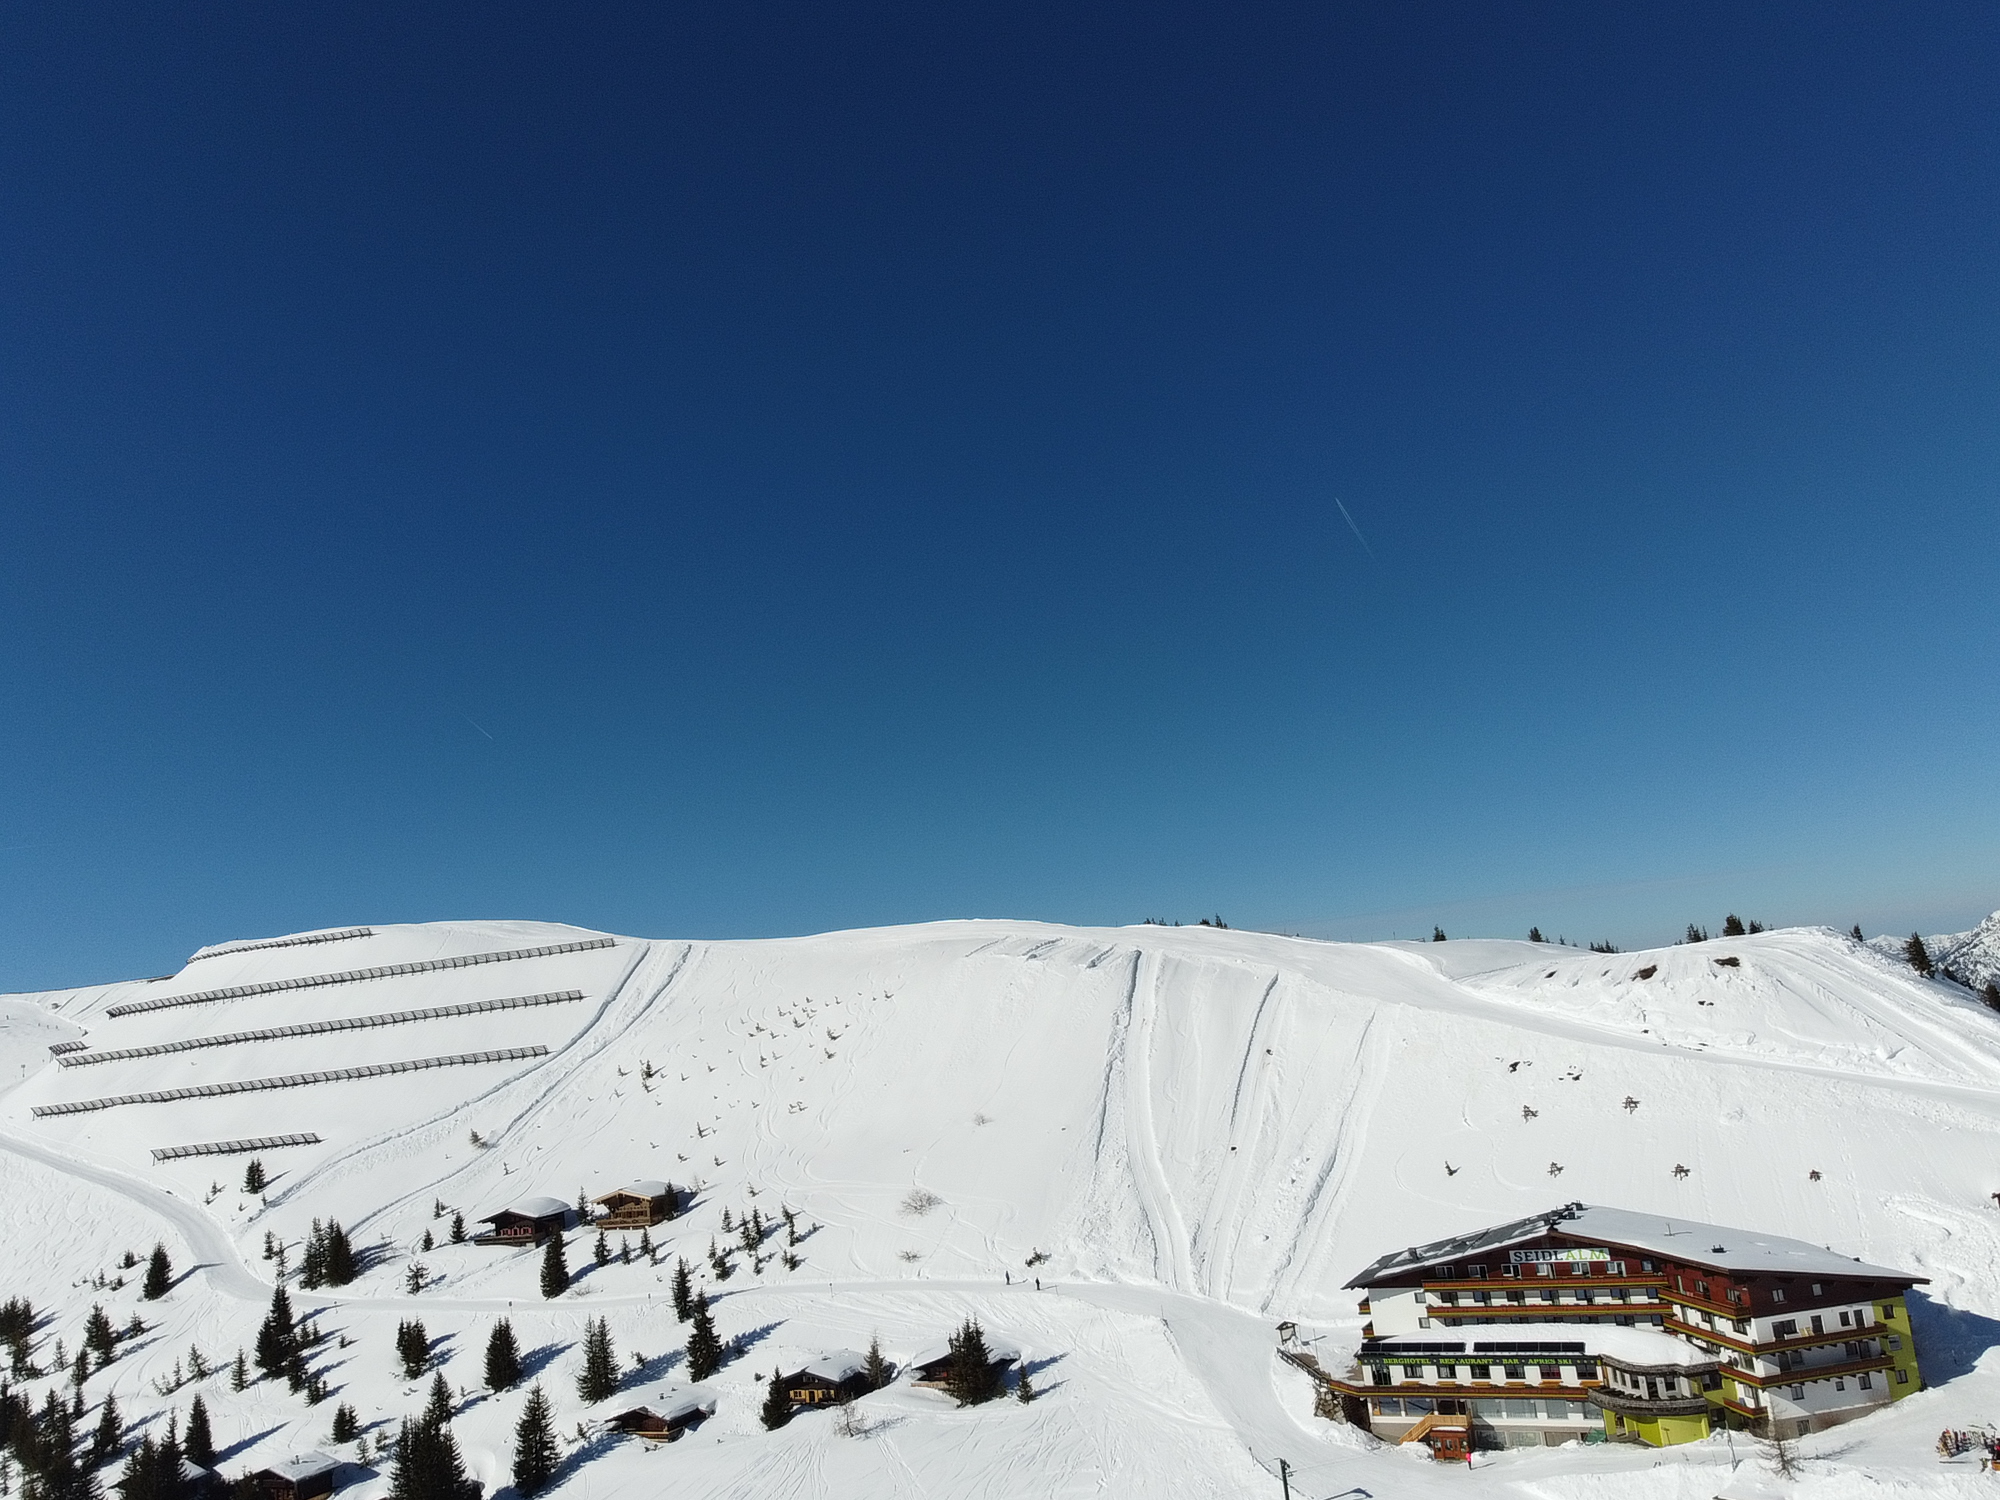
(1973, 956)
(1204, 1131)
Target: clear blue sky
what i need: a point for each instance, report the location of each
(754, 469)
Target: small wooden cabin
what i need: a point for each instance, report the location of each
(303, 1476)
(667, 1415)
(528, 1222)
(932, 1367)
(837, 1375)
(637, 1206)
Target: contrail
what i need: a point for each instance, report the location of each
(1355, 529)
(468, 717)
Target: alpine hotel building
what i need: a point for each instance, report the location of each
(1596, 1323)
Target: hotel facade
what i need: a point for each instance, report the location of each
(1601, 1323)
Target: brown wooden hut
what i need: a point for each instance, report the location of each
(667, 1415)
(837, 1375)
(932, 1367)
(637, 1206)
(528, 1222)
(303, 1476)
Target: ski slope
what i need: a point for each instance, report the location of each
(1201, 1132)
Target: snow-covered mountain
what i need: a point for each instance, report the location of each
(1973, 956)
(1186, 1133)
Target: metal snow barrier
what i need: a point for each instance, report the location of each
(290, 942)
(315, 1028)
(232, 1148)
(387, 971)
(290, 1080)
(61, 1047)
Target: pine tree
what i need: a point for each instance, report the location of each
(427, 1244)
(458, 1229)
(253, 1176)
(199, 1443)
(1437, 934)
(972, 1378)
(646, 1243)
(339, 1255)
(1024, 1389)
(602, 1249)
(413, 1348)
(1695, 934)
(503, 1358)
(346, 1425)
(535, 1451)
(110, 1434)
(683, 1291)
(704, 1349)
(728, 1224)
(878, 1367)
(159, 1275)
(239, 1373)
(1991, 995)
(777, 1404)
(437, 1409)
(1732, 926)
(99, 1337)
(1856, 934)
(598, 1378)
(428, 1465)
(1919, 956)
(312, 1264)
(555, 1269)
(1535, 935)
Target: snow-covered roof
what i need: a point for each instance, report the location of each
(301, 1466)
(836, 1365)
(647, 1189)
(1642, 1347)
(1672, 1238)
(532, 1208)
(997, 1349)
(673, 1406)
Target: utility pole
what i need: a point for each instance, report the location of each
(1285, 1477)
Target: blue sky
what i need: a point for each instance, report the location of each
(759, 469)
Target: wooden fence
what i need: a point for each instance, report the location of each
(291, 942)
(232, 1148)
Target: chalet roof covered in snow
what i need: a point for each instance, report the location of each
(998, 1350)
(532, 1208)
(301, 1466)
(647, 1189)
(1686, 1240)
(837, 1365)
(676, 1406)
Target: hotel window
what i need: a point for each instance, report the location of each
(1388, 1406)
(1888, 1312)
(1585, 1370)
(1815, 1288)
(1475, 1273)
(1647, 1265)
(1777, 1294)
(1551, 1372)
(1701, 1289)
(1785, 1328)
(1840, 1383)
(1447, 1299)
(1447, 1372)
(1481, 1372)
(1543, 1268)
(1516, 1372)
(1867, 1382)
(1902, 1377)
(1798, 1393)
(1615, 1268)
(1379, 1374)
(1843, 1320)
(1895, 1341)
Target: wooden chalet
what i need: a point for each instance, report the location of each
(667, 1415)
(639, 1205)
(931, 1368)
(528, 1222)
(836, 1376)
(303, 1476)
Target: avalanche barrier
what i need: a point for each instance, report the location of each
(289, 1080)
(75, 1059)
(231, 1148)
(350, 976)
(290, 942)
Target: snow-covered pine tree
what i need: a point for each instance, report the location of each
(1732, 926)
(253, 1176)
(159, 1275)
(555, 1269)
(1915, 951)
(601, 1251)
(777, 1404)
(878, 1367)
(110, 1434)
(972, 1378)
(346, 1425)
(535, 1451)
(704, 1349)
(458, 1229)
(683, 1291)
(503, 1358)
(598, 1379)
(199, 1442)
